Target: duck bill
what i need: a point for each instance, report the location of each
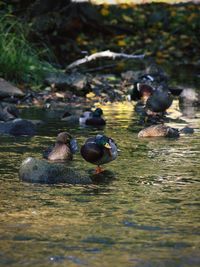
(107, 145)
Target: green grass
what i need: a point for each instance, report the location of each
(19, 60)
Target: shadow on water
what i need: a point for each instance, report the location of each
(143, 210)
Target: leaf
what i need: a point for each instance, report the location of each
(104, 11)
(121, 43)
(127, 18)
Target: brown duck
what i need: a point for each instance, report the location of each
(63, 149)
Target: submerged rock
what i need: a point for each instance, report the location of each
(41, 171)
(18, 127)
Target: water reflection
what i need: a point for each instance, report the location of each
(144, 212)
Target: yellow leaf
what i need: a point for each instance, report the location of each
(104, 11)
(191, 17)
(127, 18)
(120, 65)
(148, 53)
(172, 48)
(121, 43)
(159, 54)
(81, 41)
(90, 95)
(148, 41)
(159, 60)
(121, 36)
(173, 13)
(94, 50)
(184, 37)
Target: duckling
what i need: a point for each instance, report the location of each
(63, 149)
(99, 150)
(159, 130)
(92, 118)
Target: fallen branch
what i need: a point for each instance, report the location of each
(106, 53)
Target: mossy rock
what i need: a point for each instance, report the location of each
(41, 171)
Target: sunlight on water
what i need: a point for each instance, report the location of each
(146, 214)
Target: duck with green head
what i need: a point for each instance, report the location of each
(93, 118)
(99, 150)
(63, 149)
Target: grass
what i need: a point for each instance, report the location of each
(19, 60)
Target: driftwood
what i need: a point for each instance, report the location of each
(106, 53)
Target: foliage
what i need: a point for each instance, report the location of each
(165, 32)
(19, 60)
(168, 33)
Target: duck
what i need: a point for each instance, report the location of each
(159, 130)
(148, 82)
(141, 91)
(63, 149)
(99, 150)
(93, 118)
(159, 101)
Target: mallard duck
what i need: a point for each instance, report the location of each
(141, 91)
(159, 130)
(159, 101)
(99, 150)
(63, 149)
(92, 118)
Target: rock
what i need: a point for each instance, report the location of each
(189, 100)
(41, 171)
(37, 122)
(64, 81)
(8, 112)
(18, 127)
(131, 75)
(187, 130)
(8, 90)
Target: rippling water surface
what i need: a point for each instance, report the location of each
(145, 213)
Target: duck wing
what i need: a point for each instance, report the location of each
(91, 152)
(58, 152)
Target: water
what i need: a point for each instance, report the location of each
(145, 213)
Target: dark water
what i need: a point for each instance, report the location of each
(145, 213)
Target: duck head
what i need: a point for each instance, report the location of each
(97, 113)
(141, 91)
(103, 141)
(66, 138)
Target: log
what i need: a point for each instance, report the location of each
(102, 54)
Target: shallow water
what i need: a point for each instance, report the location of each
(145, 213)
